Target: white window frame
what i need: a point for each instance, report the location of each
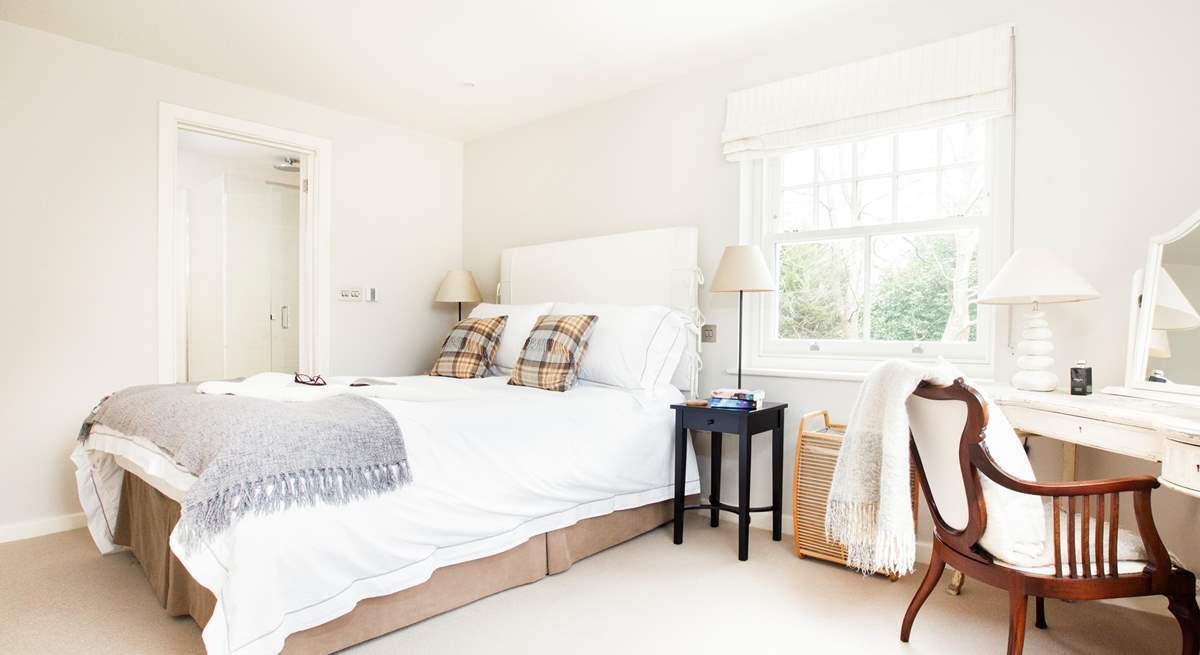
(831, 358)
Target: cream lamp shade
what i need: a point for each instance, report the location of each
(458, 286)
(1172, 310)
(1034, 275)
(1160, 346)
(742, 268)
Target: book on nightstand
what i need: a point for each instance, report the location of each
(743, 399)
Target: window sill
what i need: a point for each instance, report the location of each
(975, 372)
(801, 374)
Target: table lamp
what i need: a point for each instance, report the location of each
(1035, 276)
(742, 269)
(459, 287)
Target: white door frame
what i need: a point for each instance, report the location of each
(314, 232)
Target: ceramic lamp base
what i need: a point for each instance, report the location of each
(1035, 364)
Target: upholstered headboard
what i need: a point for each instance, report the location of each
(650, 267)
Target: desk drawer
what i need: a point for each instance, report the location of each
(1181, 464)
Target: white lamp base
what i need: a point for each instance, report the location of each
(1034, 361)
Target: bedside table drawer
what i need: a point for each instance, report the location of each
(714, 420)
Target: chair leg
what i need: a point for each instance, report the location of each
(1018, 608)
(1041, 613)
(936, 566)
(1183, 606)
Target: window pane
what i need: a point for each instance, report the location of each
(833, 205)
(796, 210)
(835, 162)
(917, 196)
(820, 289)
(875, 156)
(924, 286)
(963, 192)
(918, 149)
(962, 143)
(875, 200)
(798, 168)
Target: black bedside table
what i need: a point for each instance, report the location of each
(745, 424)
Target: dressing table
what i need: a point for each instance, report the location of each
(1154, 430)
(1155, 415)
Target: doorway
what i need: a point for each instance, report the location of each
(238, 232)
(243, 248)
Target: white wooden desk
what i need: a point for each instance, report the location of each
(1151, 430)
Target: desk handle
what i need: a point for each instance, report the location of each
(713, 420)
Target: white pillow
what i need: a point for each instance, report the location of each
(521, 319)
(632, 346)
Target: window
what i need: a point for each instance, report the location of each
(880, 245)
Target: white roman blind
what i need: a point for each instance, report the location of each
(969, 76)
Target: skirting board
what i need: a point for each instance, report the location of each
(39, 527)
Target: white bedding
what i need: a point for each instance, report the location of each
(493, 465)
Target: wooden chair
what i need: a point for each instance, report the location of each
(947, 431)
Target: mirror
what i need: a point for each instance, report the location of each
(1165, 353)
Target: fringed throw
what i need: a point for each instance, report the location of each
(252, 455)
(870, 502)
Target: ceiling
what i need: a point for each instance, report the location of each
(405, 62)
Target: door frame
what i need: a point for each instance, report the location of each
(315, 303)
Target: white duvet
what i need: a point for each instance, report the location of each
(493, 465)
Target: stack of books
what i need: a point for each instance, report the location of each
(743, 399)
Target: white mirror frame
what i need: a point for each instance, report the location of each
(1140, 326)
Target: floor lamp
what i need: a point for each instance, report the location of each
(742, 269)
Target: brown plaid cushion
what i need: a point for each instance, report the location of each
(470, 347)
(552, 353)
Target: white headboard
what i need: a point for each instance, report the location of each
(650, 267)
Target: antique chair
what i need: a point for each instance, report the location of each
(947, 431)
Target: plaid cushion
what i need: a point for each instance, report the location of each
(552, 353)
(470, 347)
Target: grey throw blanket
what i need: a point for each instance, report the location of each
(256, 455)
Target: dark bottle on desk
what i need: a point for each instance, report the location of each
(1081, 379)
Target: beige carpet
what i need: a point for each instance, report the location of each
(57, 595)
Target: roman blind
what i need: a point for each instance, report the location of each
(969, 76)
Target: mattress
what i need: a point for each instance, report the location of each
(493, 465)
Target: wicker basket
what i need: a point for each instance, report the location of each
(817, 448)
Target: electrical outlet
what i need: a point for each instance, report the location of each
(708, 333)
(350, 294)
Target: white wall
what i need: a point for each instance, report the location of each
(78, 214)
(1106, 136)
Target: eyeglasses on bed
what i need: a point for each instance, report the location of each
(312, 381)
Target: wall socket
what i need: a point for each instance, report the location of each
(708, 333)
(350, 294)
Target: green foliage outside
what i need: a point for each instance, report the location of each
(820, 296)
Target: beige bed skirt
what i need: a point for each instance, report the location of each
(147, 517)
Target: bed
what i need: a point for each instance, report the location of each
(510, 484)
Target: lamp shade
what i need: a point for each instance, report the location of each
(1172, 310)
(458, 286)
(1160, 346)
(1034, 275)
(742, 268)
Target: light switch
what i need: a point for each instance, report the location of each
(350, 294)
(708, 333)
(371, 297)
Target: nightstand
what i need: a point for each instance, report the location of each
(743, 424)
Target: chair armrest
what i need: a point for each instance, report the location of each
(987, 466)
(1159, 566)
